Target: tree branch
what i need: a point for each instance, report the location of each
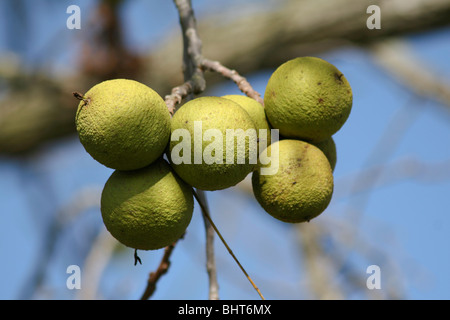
(293, 29)
(398, 59)
(240, 81)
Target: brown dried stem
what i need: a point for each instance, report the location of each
(155, 276)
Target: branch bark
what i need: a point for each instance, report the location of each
(240, 81)
(155, 276)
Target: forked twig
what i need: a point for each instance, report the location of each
(195, 64)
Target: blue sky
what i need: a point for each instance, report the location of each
(405, 222)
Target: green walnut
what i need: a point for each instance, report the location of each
(307, 98)
(213, 143)
(148, 208)
(123, 124)
(302, 187)
(328, 147)
(258, 115)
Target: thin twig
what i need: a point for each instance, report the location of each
(95, 263)
(386, 145)
(240, 81)
(321, 272)
(155, 276)
(397, 58)
(196, 84)
(208, 217)
(210, 261)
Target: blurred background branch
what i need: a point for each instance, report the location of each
(397, 58)
(36, 107)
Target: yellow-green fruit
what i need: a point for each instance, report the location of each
(258, 115)
(213, 144)
(123, 124)
(307, 98)
(148, 208)
(328, 147)
(303, 186)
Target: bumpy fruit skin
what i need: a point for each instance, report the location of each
(256, 112)
(308, 98)
(219, 114)
(328, 147)
(124, 125)
(147, 209)
(303, 186)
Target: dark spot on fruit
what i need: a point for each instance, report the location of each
(295, 182)
(186, 121)
(338, 77)
(320, 100)
(319, 83)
